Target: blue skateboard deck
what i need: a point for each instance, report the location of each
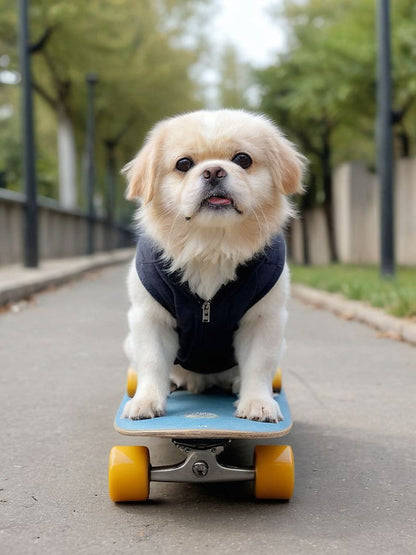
(209, 415)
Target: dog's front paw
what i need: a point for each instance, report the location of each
(262, 410)
(139, 408)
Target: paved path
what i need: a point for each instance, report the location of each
(62, 372)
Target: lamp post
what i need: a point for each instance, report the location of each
(91, 80)
(29, 166)
(111, 192)
(385, 139)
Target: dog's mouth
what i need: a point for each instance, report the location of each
(220, 202)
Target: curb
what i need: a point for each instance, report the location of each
(17, 283)
(396, 328)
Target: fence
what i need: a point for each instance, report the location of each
(355, 211)
(356, 214)
(61, 232)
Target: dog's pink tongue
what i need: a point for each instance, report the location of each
(219, 201)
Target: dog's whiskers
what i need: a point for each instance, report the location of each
(260, 227)
(266, 222)
(171, 229)
(257, 219)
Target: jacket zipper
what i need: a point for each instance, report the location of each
(206, 311)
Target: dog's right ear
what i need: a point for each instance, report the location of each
(141, 172)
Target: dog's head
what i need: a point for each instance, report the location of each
(225, 169)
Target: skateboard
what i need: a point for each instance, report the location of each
(201, 426)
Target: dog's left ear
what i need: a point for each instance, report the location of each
(287, 164)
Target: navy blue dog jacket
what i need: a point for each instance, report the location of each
(206, 327)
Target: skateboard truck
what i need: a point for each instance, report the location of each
(201, 465)
(130, 471)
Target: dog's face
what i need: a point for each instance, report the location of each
(221, 169)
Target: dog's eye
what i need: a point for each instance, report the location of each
(243, 160)
(184, 164)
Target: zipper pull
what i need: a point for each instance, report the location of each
(206, 311)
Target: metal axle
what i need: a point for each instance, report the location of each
(200, 465)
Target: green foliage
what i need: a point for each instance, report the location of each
(325, 79)
(10, 170)
(364, 283)
(141, 52)
(322, 89)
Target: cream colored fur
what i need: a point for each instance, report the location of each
(207, 246)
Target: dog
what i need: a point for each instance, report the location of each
(209, 283)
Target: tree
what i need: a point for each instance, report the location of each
(404, 74)
(322, 89)
(10, 171)
(130, 50)
(141, 52)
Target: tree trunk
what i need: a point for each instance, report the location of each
(307, 202)
(67, 161)
(327, 183)
(305, 240)
(404, 143)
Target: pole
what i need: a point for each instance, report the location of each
(91, 80)
(111, 192)
(29, 166)
(385, 140)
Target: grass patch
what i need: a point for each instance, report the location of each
(363, 283)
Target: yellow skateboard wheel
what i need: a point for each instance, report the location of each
(275, 472)
(131, 382)
(128, 473)
(277, 381)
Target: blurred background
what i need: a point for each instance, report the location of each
(104, 71)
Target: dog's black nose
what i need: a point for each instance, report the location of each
(213, 175)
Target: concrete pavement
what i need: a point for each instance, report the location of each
(352, 396)
(17, 282)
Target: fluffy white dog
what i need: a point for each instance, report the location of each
(209, 283)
